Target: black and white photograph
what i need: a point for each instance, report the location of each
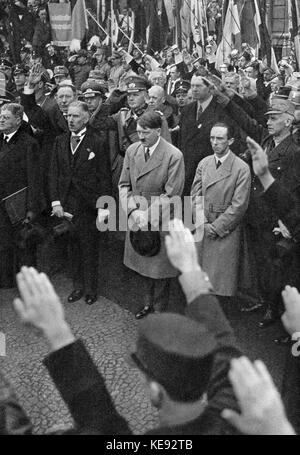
(149, 220)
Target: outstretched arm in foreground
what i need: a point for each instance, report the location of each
(69, 364)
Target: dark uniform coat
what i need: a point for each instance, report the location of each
(161, 176)
(84, 391)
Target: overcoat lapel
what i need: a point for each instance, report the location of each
(153, 162)
(216, 175)
(279, 150)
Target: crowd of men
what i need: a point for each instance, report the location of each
(145, 130)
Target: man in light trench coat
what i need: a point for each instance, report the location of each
(154, 170)
(224, 181)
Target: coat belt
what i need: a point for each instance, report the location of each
(216, 208)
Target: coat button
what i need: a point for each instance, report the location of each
(279, 169)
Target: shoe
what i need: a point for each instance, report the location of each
(75, 296)
(146, 310)
(269, 318)
(283, 341)
(90, 299)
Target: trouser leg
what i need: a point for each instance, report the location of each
(161, 292)
(90, 259)
(75, 255)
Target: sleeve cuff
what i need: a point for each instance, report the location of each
(194, 284)
(28, 91)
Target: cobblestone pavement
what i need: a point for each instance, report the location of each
(109, 330)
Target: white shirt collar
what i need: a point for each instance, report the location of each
(206, 103)
(223, 157)
(153, 147)
(80, 134)
(9, 136)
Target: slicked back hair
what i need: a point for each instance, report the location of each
(151, 119)
(16, 109)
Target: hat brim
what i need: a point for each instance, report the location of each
(274, 112)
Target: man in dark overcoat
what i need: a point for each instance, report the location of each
(79, 175)
(197, 120)
(19, 168)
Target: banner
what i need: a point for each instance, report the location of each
(61, 23)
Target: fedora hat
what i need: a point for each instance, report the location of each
(145, 243)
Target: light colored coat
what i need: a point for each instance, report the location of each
(226, 193)
(162, 176)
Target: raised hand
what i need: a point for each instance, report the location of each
(35, 75)
(262, 410)
(40, 307)
(259, 158)
(181, 248)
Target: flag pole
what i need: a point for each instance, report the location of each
(100, 26)
(111, 24)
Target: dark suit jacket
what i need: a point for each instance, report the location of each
(48, 120)
(287, 208)
(19, 167)
(284, 165)
(194, 137)
(83, 388)
(90, 176)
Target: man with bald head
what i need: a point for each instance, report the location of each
(196, 122)
(157, 101)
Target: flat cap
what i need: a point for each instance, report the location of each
(60, 71)
(82, 53)
(294, 97)
(281, 105)
(182, 87)
(5, 63)
(173, 350)
(20, 69)
(136, 84)
(97, 74)
(90, 89)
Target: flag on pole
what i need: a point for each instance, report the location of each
(266, 49)
(185, 23)
(60, 23)
(257, 22)
(79, 24)
(250, 24)
(114, 27)
(170, 14)
(231, 34)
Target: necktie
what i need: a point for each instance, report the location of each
(147, 154)
(74, 142)
(199, 111)
(218, 164)
(270, 147)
